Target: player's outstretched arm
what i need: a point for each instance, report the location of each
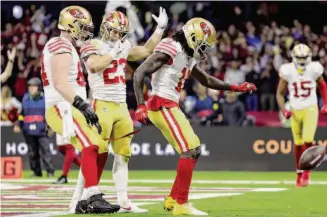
(209, 81)
(140, 52)
(60, 65)
(149, 66)
(282, 85)
(10, 65)
(214, 83)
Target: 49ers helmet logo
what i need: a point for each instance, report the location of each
(205, 28)
(77, 13)
(110, 17)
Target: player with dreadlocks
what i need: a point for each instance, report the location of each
(174, 59)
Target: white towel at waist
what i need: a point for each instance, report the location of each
(65, 110)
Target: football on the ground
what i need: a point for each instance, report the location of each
(312, 157)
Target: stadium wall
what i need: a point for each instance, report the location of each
(223, 148)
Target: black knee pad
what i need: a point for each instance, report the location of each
(193, 153)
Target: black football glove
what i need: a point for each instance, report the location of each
(89, 114)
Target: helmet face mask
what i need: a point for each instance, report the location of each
(302, 61)
(201, 51)
(85, 33)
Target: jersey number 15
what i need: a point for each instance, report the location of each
(304, 86)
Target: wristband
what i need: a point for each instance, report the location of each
(159, 30)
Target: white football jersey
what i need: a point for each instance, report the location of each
(108, 84)
(54, 46)
(302, 86)
(168, 81)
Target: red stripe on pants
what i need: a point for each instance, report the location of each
(178, 128)
(172, 130)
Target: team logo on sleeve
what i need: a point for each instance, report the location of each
(77, 13)
(205, 28)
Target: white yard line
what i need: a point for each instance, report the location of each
(169, 181)
(11, 187)
(49, 214)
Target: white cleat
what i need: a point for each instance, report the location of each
(187, 209)
(132, 209)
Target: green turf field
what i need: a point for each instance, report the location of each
(221, 194)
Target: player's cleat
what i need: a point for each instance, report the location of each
(299, 180)
(96, 204)
(169, 203)
(81, 207)
(132, 208)
(61, 180)
(187, 209)
(306, 178)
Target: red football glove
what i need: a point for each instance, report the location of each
(324, 110)
(245, 87)
(287, 114)
(141, 113)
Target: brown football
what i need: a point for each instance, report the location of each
(312, 157)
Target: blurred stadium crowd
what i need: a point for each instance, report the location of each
(253, 43)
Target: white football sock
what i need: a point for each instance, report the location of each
(93, 191)
(85, 194)
(78, 191)
(89, 192)
(120, 177)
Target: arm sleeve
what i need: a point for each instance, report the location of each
(167, 46)
(59, 46)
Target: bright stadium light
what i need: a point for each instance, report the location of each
(17, 11)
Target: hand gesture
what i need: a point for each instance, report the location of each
(162, 20)
(11, 54)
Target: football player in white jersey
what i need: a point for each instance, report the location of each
(301, 77)
(105, 61)
(67, 112)
(173, 61)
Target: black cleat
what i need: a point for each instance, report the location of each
(81, 207)
(96, 204)
(61, 180)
